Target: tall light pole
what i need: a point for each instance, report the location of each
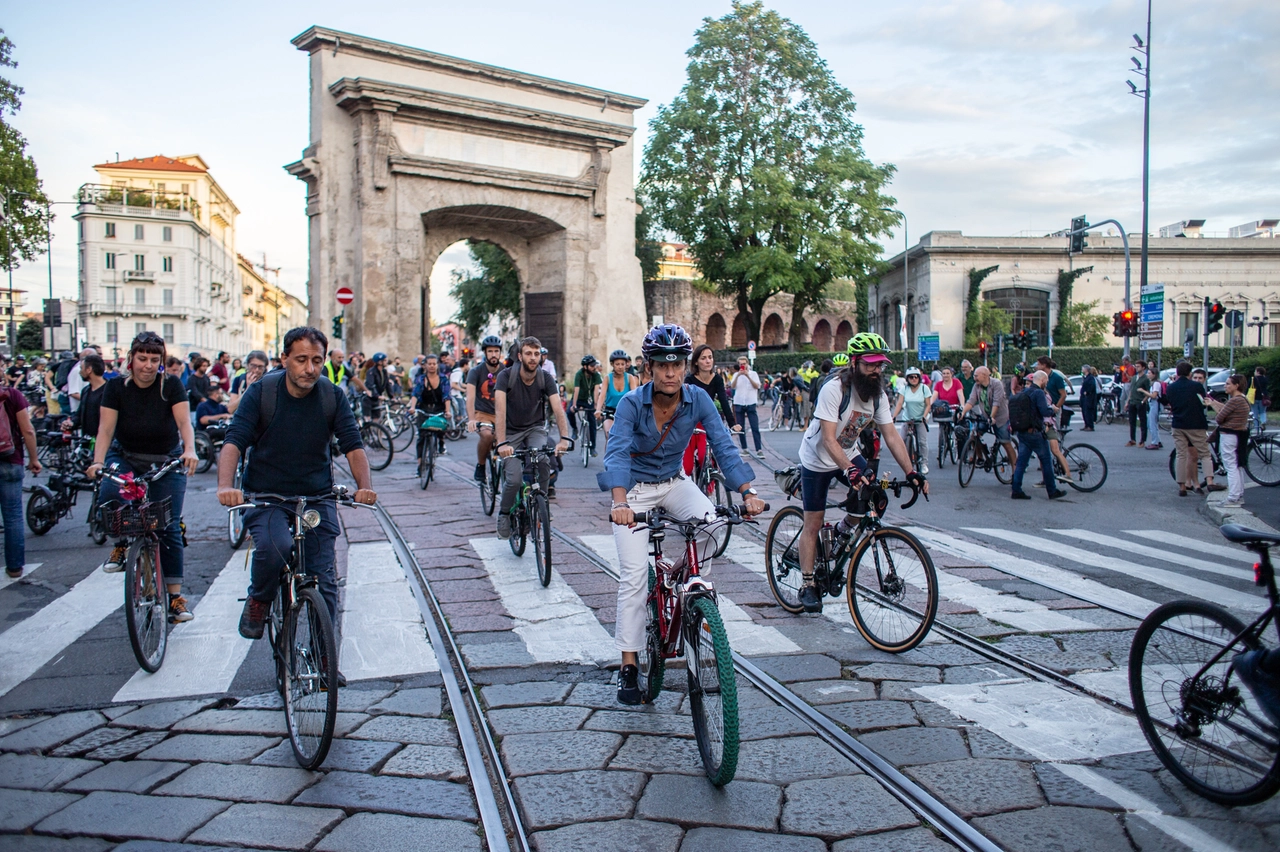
(1144, 49)
(906, 247)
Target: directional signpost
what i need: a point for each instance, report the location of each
(1151, 317)
(927, 348)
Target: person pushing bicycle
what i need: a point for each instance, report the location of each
(830, 450)
(643, 470)
(289, 418)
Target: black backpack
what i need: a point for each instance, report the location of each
(273, 385)
(1023, 413)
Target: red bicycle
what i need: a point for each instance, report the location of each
(683, 620)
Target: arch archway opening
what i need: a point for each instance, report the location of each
(774, 332)
(843, 332)
(715, 331)
(475, 286)
(822, 335)
(739, 338)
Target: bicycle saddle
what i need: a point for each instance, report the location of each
(1244, 535)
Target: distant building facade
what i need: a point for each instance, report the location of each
(1241, 271)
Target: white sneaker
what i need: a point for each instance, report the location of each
(759, 454)
(1231, 504)
(924, 470)
(115, 562)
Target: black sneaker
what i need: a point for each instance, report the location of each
(1057, 494)
(810, 598)
(1021, 495)
(551, 492)
(480, 472)
(629, 686)
(1264, 685)
(253, 618)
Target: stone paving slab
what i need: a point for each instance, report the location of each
(872, 715)
(842, 807)
(910, 840)
(130, 815)
(365, 831)
(96, 738)
(423, 761)
(407, 729)
(268, 826)
(550, 801)
(240, 783)
(32, 772)
(1057, 828)
(53, 731)
(640, 722)
(977, 787)
(558, 751)
(615, 834)
(409, 796)
(41, 843)
(8, 726)
(127, 776)
(604, 696)
(532, 720)
(692, 801)
(350, 755)
(410, 702)
(128, 747)
(161, 715)
(787, 759)
(660, 754)
(909, 746)
(736, 840)
(21, 809)
(799, 667)
(834, 691)
(218, 748)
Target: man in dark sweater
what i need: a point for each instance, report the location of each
(1190, 430)
(291, 457)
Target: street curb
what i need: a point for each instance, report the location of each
(1212, 509)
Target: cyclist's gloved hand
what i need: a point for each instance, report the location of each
(852, 475)
(920, 482)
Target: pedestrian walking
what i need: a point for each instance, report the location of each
(1259, 401)
(1029, 415)
(1137, 404)
(1089, 397)
(1186, 401)
(1233, 437)
(746, 396)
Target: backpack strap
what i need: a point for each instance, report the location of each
(273, 386)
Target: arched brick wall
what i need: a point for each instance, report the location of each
(822, 335)
(843, 332)
(715, 331)
(774, 332)
(739, 339)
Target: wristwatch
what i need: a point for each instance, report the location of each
(750, 492)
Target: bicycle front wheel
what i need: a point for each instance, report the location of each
(892, 589)
(235, 520)
(405, 433)
(542, 539)
(968, 460)
(146, 604)
(713, 691)
(782, 557)
(204, 451)
(489, 487)
(41, 513)
(1205, 725)
(519, 531)
(1263, 461)
(377, 445)
(1088, 467)
(424, 467)
(1001, 466)
(310, 678)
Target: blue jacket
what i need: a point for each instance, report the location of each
(634, 455)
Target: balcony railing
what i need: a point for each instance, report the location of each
(139, 275)
(130, 310)
(138, 202)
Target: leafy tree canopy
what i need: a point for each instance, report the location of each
(1082, 324)
(493, 293)
(984, 322)
(31, 336)
(25, 230)
(758, 165)
(648, 249)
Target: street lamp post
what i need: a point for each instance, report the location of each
(1144, 49)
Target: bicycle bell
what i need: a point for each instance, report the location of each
(311, 519)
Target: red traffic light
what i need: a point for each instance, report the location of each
(982, 346)
(1126, 315)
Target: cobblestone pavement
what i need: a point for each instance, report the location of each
(1030, 765)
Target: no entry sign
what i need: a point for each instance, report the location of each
(345, 296)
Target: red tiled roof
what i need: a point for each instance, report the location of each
(159, 163)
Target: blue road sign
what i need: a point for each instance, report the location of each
(928, 347)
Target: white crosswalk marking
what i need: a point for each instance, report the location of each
(745, 635)
(41, 636)
(1222, 551)
(30, 568)
(1067, 582)
(205, 653)
(1155, 553)
(1028, 615)
(556, 626)
(382, 630)
(1213, 592)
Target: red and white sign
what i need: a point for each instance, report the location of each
(345, 296)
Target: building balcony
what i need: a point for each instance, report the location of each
(139, 275)
(135, 310)
(127, 201)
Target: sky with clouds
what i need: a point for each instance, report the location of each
(1002, 116)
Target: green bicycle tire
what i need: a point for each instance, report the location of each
(721, 767)
(652, 664)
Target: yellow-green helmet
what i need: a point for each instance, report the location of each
(867, 343)
(840, 360)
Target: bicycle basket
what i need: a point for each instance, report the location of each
(435, 423)
(788, 480)
(125, 519)
(941, 412)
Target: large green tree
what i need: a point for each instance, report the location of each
(648, 249)
(492, 293)
(758, 165)
(1081, 325)
(24, 233)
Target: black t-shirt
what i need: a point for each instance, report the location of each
(16, 374)
(145, 424)
(197, 388)
(86, 417)
(525, 403)
(483, 380)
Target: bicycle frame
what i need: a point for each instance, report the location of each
(675, 588)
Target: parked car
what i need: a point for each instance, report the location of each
(1073, 389)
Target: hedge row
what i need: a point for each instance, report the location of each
(1069, 358)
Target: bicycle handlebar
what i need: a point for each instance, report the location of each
(729, 514)
(897, 486)
(534, 452)
(341, 494)
(148, 477)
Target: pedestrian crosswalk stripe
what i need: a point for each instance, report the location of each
(1222, 551)
(745, 635)
(1155, 553)
(382, 630)
(1059, 579)
(1027, 615)
(41, 636)
(205, 653)
(6, 580)
(1213, 592)
(556, 626)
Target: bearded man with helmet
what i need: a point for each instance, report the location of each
(642, 469)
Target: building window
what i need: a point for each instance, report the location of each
(168, 332)
(166, 234)
(110, 293)
(139, 295)
(160, 187)
(109, 261)
(1188, 321)
(81, 230)
(138, 328)
(113, 331)
(186, 189)
(81, 260)
(166, 263)
(139, 263)
(168, 296)
(1028, 308)
(1273, 334)
(138, 232)
(109, 229)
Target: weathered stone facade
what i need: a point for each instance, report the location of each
(412, 151)
(715, 320)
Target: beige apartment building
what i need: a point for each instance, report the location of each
(1240, 269)
(269, 311)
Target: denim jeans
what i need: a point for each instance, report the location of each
(1259, 411)
(745, 414)
(1153, 423)
(172, 485)
(1028, 443)
(15, 542)
(272, 532)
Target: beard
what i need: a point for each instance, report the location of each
(867, 386)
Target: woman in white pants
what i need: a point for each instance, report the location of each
(1233, 440)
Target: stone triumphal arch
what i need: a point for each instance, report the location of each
(412, 151)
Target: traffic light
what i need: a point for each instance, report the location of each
(982, 348)
(1117, 324)
(1129, 320)
(1216, 315)
(338, 322)
(1033, 339)
(1020, 339)
(1078, 243)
